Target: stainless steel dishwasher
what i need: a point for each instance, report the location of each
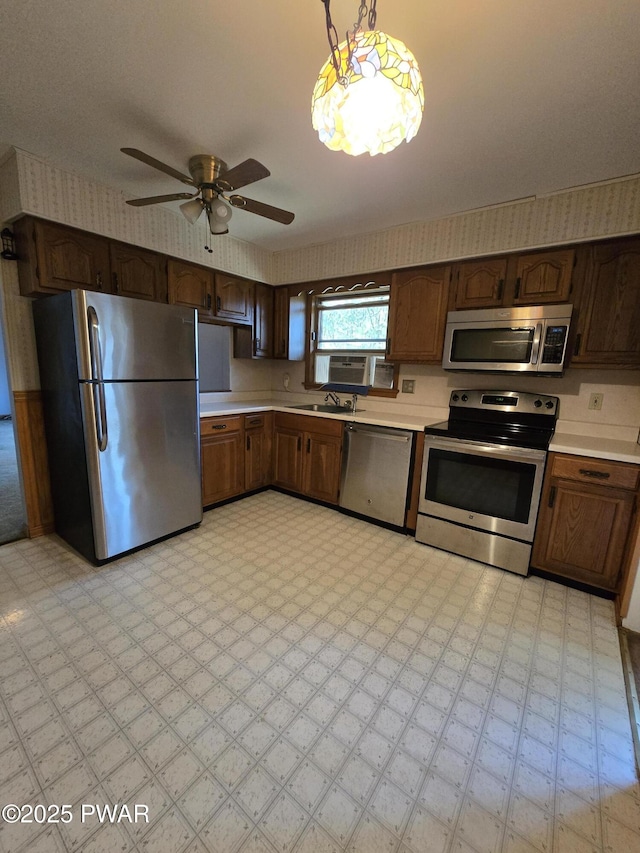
(375, 471)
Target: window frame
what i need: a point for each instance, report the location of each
(342, 286)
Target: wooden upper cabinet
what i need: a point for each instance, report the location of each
(417, 314)
(234, 298)
(609, 310)
(258, 436)
(289, 324)
(480, 284)
(543, 277)
(191, 285)
(55, 258)
(138, 273)
(263, 321)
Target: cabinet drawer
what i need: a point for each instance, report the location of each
(599, 471)
(254, 421)
(215, 426)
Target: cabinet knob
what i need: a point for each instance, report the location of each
(219, 426)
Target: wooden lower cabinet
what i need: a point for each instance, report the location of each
(222, 458)
(307, 455)
(585, 520)
(257, 466)
(321, 466)
(235, 454)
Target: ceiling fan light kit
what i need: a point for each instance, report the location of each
(369, 95)
(211, 178)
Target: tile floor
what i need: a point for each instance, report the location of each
(286, 678)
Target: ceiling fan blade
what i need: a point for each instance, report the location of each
(158, 199)
(156, 164)
(244, 173)
(275, 213)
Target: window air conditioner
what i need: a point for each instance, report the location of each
(352, 370)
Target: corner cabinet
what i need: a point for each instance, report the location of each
(307, 455)
(417, 314)
(585, 520)
(608, 322)
(54, 258)
(289, 324)
(258, 430)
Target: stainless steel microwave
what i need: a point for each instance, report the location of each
(532, 339)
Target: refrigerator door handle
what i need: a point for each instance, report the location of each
(99, 406)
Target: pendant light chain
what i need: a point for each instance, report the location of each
(332, 36)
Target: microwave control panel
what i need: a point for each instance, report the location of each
(554, 344)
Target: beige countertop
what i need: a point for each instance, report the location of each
(598, 447)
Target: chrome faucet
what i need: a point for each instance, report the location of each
(333, 397)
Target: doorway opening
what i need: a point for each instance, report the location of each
(12, 512)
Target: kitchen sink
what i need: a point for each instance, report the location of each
(326, 408)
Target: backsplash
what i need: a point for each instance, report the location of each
(619, 417)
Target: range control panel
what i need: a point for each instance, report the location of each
(522, 402)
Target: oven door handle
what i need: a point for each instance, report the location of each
(500, 451)
(537, 337)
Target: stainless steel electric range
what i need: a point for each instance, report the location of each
(482, 476)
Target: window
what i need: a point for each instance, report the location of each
(355, 321)
(349, 338)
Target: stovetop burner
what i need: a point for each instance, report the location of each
(515, 418)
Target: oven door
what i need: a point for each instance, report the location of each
(483, 486)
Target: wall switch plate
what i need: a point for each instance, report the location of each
(408, 386)
(595, 401)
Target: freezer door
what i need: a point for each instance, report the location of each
(133, 339)
(145, 484)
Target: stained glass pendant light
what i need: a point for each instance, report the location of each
(369, 94)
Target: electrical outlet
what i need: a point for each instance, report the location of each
(408, 386)
(595, 401)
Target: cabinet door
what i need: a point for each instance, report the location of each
(263, 322)
(543, 277)
(257, 469)
(480, 284)
(138, 273)
(418, 314)
(322, 467)
(234, 298)
(609, 316)
(222, 459)
(582, 532)
(69, 259)
(191, 285)
(287, 458)
(289, 324)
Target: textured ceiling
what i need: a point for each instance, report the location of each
(521, 99)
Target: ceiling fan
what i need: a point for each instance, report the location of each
(212, 180)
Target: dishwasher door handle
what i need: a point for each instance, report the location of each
(388, 436)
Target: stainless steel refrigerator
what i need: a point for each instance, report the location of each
(119, 380)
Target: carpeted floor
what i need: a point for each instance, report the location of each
(12, 521)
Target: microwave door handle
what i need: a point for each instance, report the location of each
(537, 337)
